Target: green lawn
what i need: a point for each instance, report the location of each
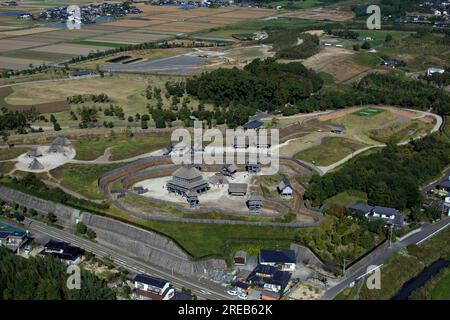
(122, 148)
(367, 59)
(442, 289)
(6, 167)
(369, 112)
(331, 150)
(7, 154)
(347, 198)
(82, 178)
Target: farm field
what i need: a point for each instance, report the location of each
(157, 23)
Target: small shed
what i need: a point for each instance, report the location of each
(285, 188)
(240, 258)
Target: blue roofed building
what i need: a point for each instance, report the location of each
(253, 125)
(152, 288)
(269, 278)
(284, 260)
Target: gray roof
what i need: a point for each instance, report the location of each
(361, 207)
(35, 165)
(444, 184)
(33, 152)
(56, 148)
(284, 183)
(192, 194)
(231, 167)
(187, 173)
(218, 178)
(255, 197)
(237, 188)
(62, 141)
(240, 254)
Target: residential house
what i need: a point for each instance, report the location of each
(13, 240)
(284, 188)
(445, 185)
(64, 251)
(338, 129)
(253, 125)
(282, 259)
(151, 288)
(269, 278)
(390, 215)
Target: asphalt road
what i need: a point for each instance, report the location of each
(205, 291)
(377, 257)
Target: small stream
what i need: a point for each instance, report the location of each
(421, 279)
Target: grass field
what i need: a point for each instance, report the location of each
(401, 267)
(331, 150)
(347, 198)
(6, 167)
(401, 131)
(125, 90)
(6, 154)
(367, 59)
(82, 178)
(369, 112)
(122, 148)
(442, 289)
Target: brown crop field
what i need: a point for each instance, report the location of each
(326, 13)
(18, 63)
(70, 49)
(182, 27)
(23, 32)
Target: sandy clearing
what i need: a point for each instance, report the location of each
(217, 194)
(50, 161)
(326, 56)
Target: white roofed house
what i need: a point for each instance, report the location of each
(152, 288)
(433, 70)
(285, 188)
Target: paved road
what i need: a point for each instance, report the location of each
(208, 290)
(378, 256)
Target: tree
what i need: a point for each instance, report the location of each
(356, 47)
(52, 217)
(81, 228)
(388, 38)
(56, 126)
(130, 119)
(366, 45)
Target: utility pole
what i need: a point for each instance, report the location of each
(343, 268)
(390, 237)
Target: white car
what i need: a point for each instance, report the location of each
(242, 296)
(27, 250)
(232, 292)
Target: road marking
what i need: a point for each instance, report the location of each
(431, 235)
(370, 271)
